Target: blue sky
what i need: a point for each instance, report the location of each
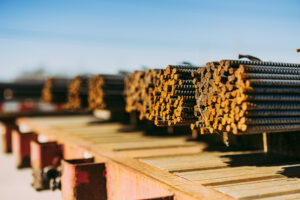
(73, 36)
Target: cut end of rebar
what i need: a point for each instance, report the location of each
(252, 58)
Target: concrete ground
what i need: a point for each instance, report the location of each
(15, 184)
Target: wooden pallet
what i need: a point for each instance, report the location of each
(151, 167)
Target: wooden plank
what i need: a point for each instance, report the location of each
(202, 161)
(68, 121)
(133, 140)
(159, 143)
(214, 160)
(259, 189)
(82, 128)
(161, 152)
(123, 143)
(283, 197)
(99, 137)
(217, 177)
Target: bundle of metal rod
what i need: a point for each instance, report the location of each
(151, 78)
(246, 97)
(20, 90)
(173, 97)
(106, 92)
(78, 93)
(55, 90)
(133, 91)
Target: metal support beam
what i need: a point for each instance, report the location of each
(83, 179)
(45, 160)
(21, 147)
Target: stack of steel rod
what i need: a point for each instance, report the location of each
(20, 91)
(133, 91)
(151, 78)
(173, 97)
(78, 93)
(106, 92)
(55, 90)
(246, 97)
(139, 87)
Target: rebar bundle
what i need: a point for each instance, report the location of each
(78, 93)
(245, 97)
(106, 92)
(151, 78)
(55, 90)
(133, 91)
(173, 97)
(20, 91)
(139, 91)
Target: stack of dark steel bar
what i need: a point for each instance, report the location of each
(247, 97)
(133, 91)
(106, 92)
(139, 88)
(55, 90)
(151, 78)
(78, 93)
(173, 97)
(19, 91)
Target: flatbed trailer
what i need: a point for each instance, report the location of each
(167, 167)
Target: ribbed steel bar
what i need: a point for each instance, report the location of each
(272, 113)
(273, 82)
(272, 97)
(258, 63)
(182, 67)
(274, 128)
(272, 120)
(270, 106)
(184, 92)
(270, 69)
(274, 90)
(270, 76)
(185, 87)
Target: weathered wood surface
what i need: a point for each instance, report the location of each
(149, 167)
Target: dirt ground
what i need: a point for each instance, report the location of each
(15, 184)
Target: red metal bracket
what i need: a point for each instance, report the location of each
(43, 158)
(6, 129)
(83, 179)
(21, 147)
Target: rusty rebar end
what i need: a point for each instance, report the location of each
(252, 58)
